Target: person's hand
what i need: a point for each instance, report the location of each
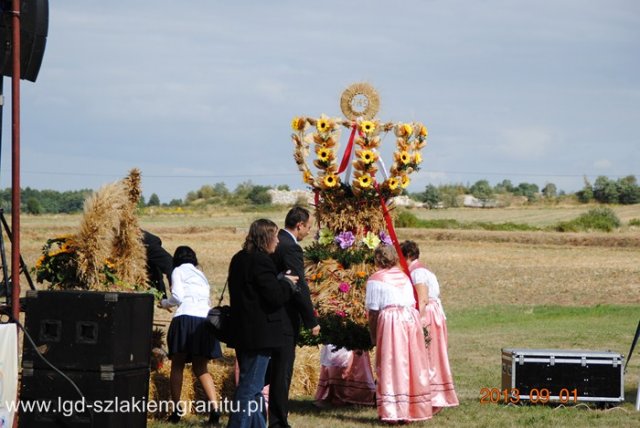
(292, 278)
(315, 330)
(164, 303)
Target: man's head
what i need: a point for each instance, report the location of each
(298, 222)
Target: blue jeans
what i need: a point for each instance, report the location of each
(248, 400)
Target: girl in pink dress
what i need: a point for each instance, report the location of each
(402, 365)
(433, 317)
(345, 378)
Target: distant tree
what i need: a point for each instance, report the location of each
(259, 195)
(243, 189)
(503, 187)
(550, 191)
(605, 191)
(154, 201)
(431, 196)
(449, 194)
(141, 202)
(628, 190)
(220, 189)
(283, 187)
(191, 197)
(586, 194)
(206, 192)
(482, 190)
(530, 190)
(33, 206)
(175, 202)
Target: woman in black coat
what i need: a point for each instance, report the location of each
(258, 293)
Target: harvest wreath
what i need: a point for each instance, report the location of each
(352, 202)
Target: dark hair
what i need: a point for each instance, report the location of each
(410, 250)
(261, 233)
(385, 256)
(295, 216)
(184, 254)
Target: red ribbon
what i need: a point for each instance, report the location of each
(347, 151)
(394, 239)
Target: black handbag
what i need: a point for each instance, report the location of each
(219, 320)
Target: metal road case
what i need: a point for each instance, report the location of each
(568, 376)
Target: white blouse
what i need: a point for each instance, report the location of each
(189, 291)
(382, 294)
(425, 276)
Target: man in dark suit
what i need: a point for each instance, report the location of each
(299, 310)
(159, 262)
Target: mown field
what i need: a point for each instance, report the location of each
(499, 289)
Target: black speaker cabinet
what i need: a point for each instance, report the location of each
(34, 26)
(87, 330)
(111, 399)
(568, 376)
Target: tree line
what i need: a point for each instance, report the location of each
(604, 190)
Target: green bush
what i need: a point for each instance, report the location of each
(634, 222)
(406, 219)
(603, 219)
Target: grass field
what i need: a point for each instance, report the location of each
(499, 289)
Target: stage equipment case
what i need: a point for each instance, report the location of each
(568, 376)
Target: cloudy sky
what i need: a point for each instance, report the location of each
(200, 91)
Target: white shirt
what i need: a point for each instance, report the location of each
(189, 291)
(425, 276)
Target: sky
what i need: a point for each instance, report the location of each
(200, 91)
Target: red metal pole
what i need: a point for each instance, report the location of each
(15, 162)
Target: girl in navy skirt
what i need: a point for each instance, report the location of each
(189, 339)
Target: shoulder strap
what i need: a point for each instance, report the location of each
(223, 290)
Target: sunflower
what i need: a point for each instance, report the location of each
(417, 158)
(307, 177)
(297, 124)
(423, 131)
(330, 180)
(367, 127)
(404, 181)
(365, 180)
(368, 157)
(324, 154)
(322, 125)
(404, 157)
(393, 183)
(407, 129)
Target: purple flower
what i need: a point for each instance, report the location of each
(386, 239)
(344, 287)
(346, 239)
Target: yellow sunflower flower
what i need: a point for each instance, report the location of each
(405, 157)
(407, 129)
(423, 131)
(367, 127)
(324, 154)
(322, 125)
(368, 157)
(330, 180)
(417, 158)
(393, 183)
(39, 262)
(365, 180)
(307, 177)
(297, 124)
(404, 181)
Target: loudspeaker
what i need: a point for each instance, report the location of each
(88, 330)
(34, 25)
(111, 399)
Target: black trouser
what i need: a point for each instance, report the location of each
(281, 368)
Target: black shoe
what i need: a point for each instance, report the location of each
(173, 418)
(214, 420)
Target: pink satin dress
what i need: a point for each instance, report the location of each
(345, 378)
(402, 366)
(440, 377)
